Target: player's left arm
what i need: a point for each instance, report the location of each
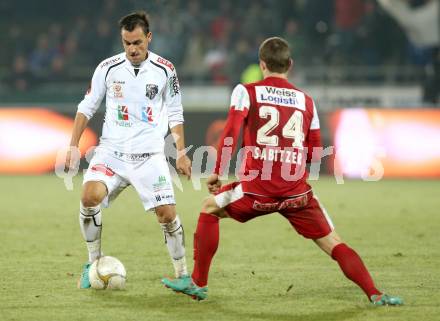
(314, 143)
(183, 163)
(173, 101)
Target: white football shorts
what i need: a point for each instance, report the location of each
(148, 173)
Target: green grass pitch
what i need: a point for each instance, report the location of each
(263, 269)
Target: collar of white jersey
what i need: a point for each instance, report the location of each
(143, 63)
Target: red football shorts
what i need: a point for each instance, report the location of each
(304, 212)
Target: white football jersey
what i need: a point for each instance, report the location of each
(139, 108)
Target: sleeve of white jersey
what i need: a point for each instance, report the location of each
(173, 101)
(240, 99)
(315, 119)
(93, 98)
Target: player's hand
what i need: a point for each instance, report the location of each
(213, 184)
(71, 160)
(183, 165)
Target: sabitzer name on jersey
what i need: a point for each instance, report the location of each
(287, 155)
(280, 96)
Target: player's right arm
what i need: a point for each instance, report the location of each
(79, 125)
(238, 112)
(86, 109)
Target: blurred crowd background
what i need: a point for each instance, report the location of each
(53, 47)
(372, 67)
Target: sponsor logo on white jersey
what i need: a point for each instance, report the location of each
(147, 115)
(174, 85)
(280, 96)
(165, 62)
(123, 117)
(110, 61)
(117, 91)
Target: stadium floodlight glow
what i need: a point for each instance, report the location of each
(404, 141)
(31, 137)
(27, 139)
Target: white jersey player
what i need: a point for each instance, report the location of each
(142, 101)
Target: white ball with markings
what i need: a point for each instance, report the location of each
(107, 272)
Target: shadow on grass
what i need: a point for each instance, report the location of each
(320, 316)
(182, 307)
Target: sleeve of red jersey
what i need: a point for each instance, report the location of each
(238, 111)
(314, 144)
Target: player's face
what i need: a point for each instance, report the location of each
(135, 44)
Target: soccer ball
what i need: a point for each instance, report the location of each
(107, 272)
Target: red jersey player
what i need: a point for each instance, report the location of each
(280, 131)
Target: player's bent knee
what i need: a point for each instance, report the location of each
(328, 242)
(165, 213)
(91, 200)
(93, 194)
(209, 205)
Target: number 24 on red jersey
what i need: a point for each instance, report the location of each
(279, 114)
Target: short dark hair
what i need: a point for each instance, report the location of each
(275, 52)
(135, 19)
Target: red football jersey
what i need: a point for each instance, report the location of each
(280, 129)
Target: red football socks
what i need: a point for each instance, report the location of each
(205, 245)
(354, 269)
(206, 241)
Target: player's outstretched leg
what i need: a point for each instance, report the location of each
(354, 269)
(385, 299)
(206, 241)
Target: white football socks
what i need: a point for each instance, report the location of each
(90, 222)
(175, 241)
